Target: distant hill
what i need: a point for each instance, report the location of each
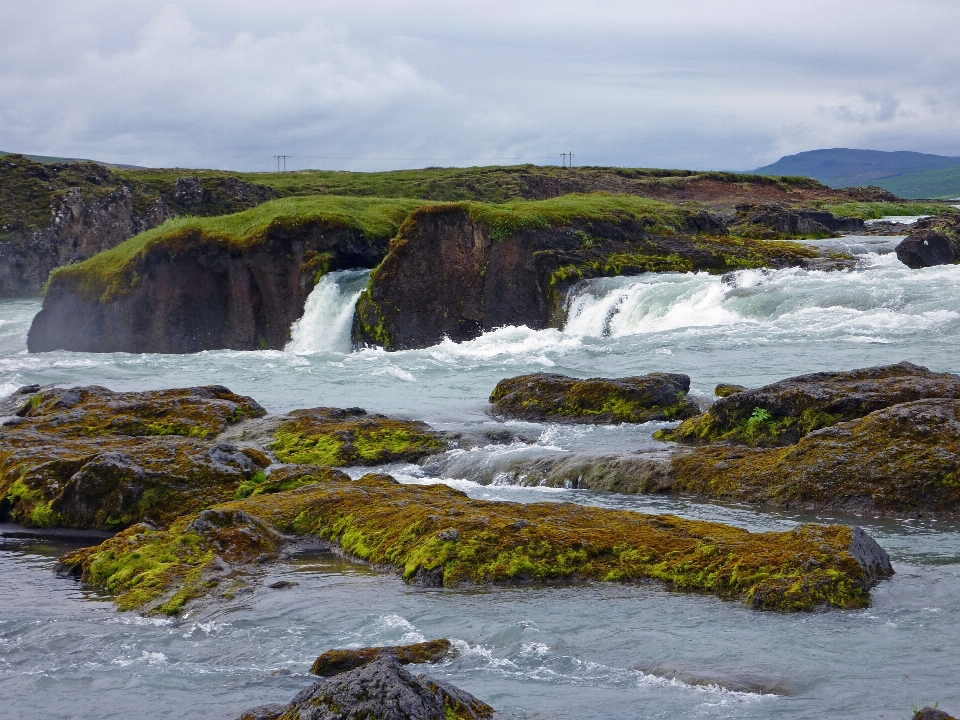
(47, 159)
(907, 174)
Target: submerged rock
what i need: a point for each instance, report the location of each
(383, 689)
(92, 458)
(544, 397)
(903, 458)
(334, 662)
(933, 241)
(783, 412)
(379, 521)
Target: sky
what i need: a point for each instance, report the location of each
(364, 85)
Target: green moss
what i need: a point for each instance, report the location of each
(321, 439)
(411, 528)
(877, 210)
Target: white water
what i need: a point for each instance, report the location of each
(328, 314)
(583, 652)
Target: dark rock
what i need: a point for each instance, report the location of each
(783, 412)
(935, 241)
(449, 275)
(383, 689)
(264, 712)
(189, 191)
(784, 221)
(724, 389)
(901, 459)
(929, 713)
(544, 397)
(334, 662)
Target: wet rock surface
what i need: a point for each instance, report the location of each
(543, 397)
(783, 412)
(384, 689)
(932, 241)
(930, 713)
(777, 220)
(408, 528)
(92, 458)
(334, 662)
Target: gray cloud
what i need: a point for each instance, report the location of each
(367, 84)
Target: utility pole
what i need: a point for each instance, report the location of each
(279, 158)
(565, 158)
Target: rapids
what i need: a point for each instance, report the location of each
(580, 652)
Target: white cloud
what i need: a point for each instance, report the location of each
(695, 83)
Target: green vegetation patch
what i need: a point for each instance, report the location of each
(341, 438)
(114, 272)
(437, 534)
(877, 210)
(334, 662)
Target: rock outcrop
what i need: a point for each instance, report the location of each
(196, 287)
(61, 213)
(384, 689)
(92, 458)
(543, 397)
(783, 412)
(456, 271)
(435, 535)
(778, 220)
(901, 459)
(334, 662)
(932, 241)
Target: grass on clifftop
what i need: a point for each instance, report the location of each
(113, 271)
(877, 210)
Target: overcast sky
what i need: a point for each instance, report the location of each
(369, 85)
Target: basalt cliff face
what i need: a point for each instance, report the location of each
(194, 296)
(449, 275)
(61, 213)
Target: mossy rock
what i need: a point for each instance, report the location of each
(92, 458)
(904, 458)
(436, 535)
(783, 412)
(344, 437)
(334, 662)
(543, 397)
(724, 389)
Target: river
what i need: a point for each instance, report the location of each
(599, 651)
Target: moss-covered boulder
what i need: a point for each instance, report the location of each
(384, 689)
(543, 397)
(343, 437)
(724, 389)
(334, 662)
(783, 412)
(904, 458)
(436, 535)
(931, 713)
(92, 458)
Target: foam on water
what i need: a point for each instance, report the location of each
(328, 314)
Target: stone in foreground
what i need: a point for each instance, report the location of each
(543, 397)
(334, 662)
(933, 241)
(384, 690)
(929, 713)
(783, 412)
(437, 536)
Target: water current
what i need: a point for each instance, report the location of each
(605, 651)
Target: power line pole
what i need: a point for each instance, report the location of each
(279, 158)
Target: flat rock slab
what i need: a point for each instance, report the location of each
(437, 536)
(543, 397)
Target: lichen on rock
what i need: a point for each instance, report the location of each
(379, 521)
(783, 412)
(544, 397)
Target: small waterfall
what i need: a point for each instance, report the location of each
(328, 314)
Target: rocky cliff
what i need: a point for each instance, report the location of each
(234, 283)
(457, 270)
(61, 213)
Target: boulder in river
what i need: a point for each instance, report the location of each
(931, 713)
(783, 412)
(437, 536)
(901, 459)
(932, 241)
(334, 662)
(383, 689)
(544, 397)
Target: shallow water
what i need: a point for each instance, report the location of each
(596, 651)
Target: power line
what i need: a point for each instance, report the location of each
(284, 158)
